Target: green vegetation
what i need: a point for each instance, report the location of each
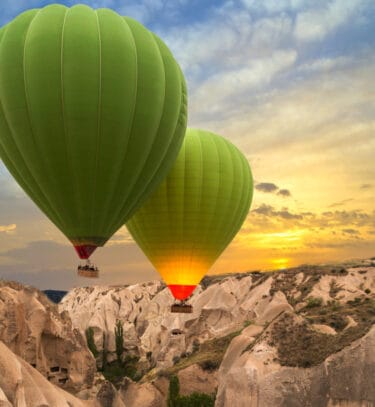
(104, 353)
(119, 336)
(217, 278)
(314, 302)
(192, 400)
(334, 288)
(90, 341)
(286, 282)
(127, 367)
(299, 345)
(174, 391)
(115, 371)
(335, 305)
(339, 271)
(196, 345)
(208, 355)
(196, 400)
(210, 365)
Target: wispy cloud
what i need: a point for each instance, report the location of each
(316, 23)
(270, 187)
(269, 211)
(284, 192)
(266, 187)
(350, 231)
(122, 236)
(47, 264)
(290, 82)
(341, 203)
(8, 228)
(269, 219)
(236, 85)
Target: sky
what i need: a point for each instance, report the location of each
(291, 83)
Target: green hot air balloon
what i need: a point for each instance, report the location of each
(195, 212)
(92, 116)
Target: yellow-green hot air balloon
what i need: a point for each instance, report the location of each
(92, 116)
(195, 212)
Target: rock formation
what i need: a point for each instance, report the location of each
(330, 308)
(23, 386)
(346, 378)
(32, 328)
(298, 337)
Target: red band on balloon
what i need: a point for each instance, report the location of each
(84, 251)
(181, 292)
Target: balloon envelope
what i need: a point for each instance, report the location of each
(195, 212)
(92, 116)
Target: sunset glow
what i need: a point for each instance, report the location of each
(291, 84)
(280, 263)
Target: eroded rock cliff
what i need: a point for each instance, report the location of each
(278, 339)
(32, 327)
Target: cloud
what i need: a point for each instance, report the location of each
(237, 56)
(43, 253)
(10, 190)
(235, 85)
(264, 209)
(268, 210)
(284, 192)
(275, 6)
(353, 217)
(61, 279)
(47, 264)
(144, 11)
(266, 187)
(324, 65)
(350, 231)
(220, 40)
(274, 77)
(309, 131)
(341, 203)
(122, 236)
(268, 219)
(305, 236)
(8, 228)
(270, 187)
(271, 32)
(316, 23)
(329, 245)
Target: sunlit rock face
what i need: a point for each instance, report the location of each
(32, 327)
(22, 386)
(149, 326)
(326, 307)
(221, 308)
(346, 378)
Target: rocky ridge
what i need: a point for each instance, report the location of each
(302, 336)
(260, 323)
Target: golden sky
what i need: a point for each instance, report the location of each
(291, 83)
